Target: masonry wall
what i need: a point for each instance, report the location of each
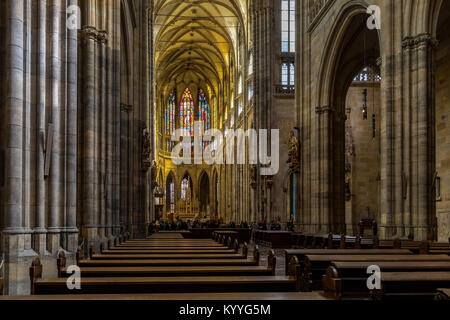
(443, 137)
(362, 152)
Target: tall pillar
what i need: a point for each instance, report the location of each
(71, 230)
(89, 34)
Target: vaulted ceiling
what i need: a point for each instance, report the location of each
(195, 40)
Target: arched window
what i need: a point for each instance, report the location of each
(204, 114)
(287, 25)
(170, 115)
(250, 65)
(187, 113)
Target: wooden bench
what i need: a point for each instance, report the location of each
(158, 271)
(301, 253)
(274, 239)
(172, 262)
(315, 266)
(226, 296)
(168, 254)
(442, 295)
(410, 285)
(206, 233)
(126, 285)
(348, 279)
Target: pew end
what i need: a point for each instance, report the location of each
(236, 245)
(342, 241)
(245, 250)
(61, 263)
(79, 255)
(424, 247)
(272, 262)
(256, 253)
(110, 243)
(116, 242)
(229, 243)
(91, 250)
(294, 272)
(35, 273)
(358, 242)
(331, 284)
(376, 243)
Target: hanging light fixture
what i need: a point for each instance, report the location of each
(364, 109)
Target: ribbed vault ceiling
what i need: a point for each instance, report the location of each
(195, 40)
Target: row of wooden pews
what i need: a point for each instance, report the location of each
(333, 241)
(173, 266)
(343, 273)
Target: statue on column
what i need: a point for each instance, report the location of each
(293, 153)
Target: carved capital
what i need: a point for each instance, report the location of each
(102, 36)
(420, 41)
(89, 33)
(324, 109)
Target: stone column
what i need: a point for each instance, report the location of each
(325, 168)
(89, 34)
(57, 97)
(40, 231)
(419, 51)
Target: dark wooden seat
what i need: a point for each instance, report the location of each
(169, 251)
(348, 279)
(165, 256)
(315, 266)
(274, 239)
(442, 295)
(174, 270)
(185, 284)
(225, 296)
(410, 285)
(301, 253)
(206, 261)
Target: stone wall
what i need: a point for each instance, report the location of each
(362, 152)
(443, 134)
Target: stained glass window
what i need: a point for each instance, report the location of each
(170, 115)
(187, 113)
(204, 113)
(172, 197)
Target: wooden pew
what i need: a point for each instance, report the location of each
(181, 247)
(274, 239)
(226, 296)
(301, 253)
(348, 279)
(170, 251)
(410, 285)
(174, 262)
(315, 266)
(125, 285)
(158, 271)
(442, 295)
